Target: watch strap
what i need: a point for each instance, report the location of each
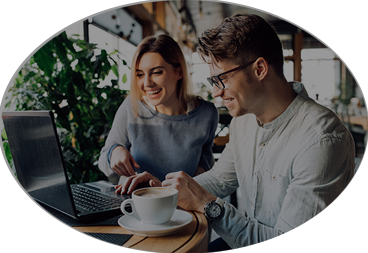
(220, 202)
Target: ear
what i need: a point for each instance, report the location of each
(180, 73)
(261, 69)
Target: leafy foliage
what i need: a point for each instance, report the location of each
(66, 76)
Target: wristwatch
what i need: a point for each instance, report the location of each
(214, 209)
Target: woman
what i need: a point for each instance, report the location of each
(160, 127)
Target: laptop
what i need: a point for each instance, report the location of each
(40, 169)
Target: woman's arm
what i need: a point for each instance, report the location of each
(206, 160)
(118, 136)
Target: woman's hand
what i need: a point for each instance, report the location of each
(144, 179)
(122, 161)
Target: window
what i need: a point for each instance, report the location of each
(110, 43)
(288, 52)
(320, 73)
(289, 70)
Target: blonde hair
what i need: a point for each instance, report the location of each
(171, 52)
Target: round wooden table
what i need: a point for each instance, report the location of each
(192, 238)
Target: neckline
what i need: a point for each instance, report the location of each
(174, 117)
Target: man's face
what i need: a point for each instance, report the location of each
(241, 94)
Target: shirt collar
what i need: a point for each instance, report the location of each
(291, 109)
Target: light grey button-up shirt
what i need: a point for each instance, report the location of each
(288, 170)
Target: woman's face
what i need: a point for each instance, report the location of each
(158, 80)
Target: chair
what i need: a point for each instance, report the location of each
(224, 122)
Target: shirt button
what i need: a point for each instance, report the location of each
(263, 144)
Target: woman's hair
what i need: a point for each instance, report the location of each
(171, 52)
(242, 38)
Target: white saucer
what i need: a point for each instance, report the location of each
(177, 222)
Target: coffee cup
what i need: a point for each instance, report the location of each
(152, 205)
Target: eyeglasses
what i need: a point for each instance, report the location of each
(216, 80)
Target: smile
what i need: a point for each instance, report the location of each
(227, 101)
(153, 93)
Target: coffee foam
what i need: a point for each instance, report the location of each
(154, 192)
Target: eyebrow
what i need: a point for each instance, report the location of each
(157, 67)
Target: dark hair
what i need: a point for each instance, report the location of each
(242, 38)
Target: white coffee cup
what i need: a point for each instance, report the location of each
(152, 205)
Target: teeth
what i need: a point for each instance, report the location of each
(228, 100)
(153, 92)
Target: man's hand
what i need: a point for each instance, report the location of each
(144, 179)
(122, 161)
(192, 196)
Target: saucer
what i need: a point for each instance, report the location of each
(177, 222)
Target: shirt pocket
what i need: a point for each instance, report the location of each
(276, 186)
(271, 194)
(276, 180)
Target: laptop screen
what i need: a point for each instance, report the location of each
(37, 157)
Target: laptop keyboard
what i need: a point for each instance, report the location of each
(93, 201)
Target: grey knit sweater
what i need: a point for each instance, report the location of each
(161, 143)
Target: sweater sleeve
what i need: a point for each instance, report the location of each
(118, 136)
(207, 155)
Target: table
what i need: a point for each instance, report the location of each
(192, 238)
(359, 120)
(355, 120)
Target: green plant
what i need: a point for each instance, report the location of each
(205, 92)
(8, 155)
(66, 76)
(346, 92)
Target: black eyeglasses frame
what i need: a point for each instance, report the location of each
(212, 79)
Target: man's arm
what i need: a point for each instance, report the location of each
(221, 180)
(319, 176)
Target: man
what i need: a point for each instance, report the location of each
(290, 156)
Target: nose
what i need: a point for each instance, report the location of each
(147, 81)
(216, 92)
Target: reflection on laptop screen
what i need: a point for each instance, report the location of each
(37, 158)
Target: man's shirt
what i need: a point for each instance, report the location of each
(288, 170)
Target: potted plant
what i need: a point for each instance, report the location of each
(66, 76)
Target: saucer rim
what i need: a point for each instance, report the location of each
(153, 232)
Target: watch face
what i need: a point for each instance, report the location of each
(214, 210)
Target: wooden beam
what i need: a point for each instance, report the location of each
(147, 20)
(160, 14)
(149, 7)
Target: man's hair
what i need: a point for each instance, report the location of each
(242, 38)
